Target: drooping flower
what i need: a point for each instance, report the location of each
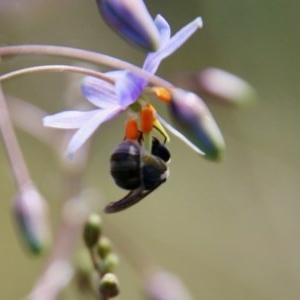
(196, 123)
(131, 20)
(111, 100)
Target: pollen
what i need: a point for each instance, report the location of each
(162, 94)
(131, 130)
(147, 118)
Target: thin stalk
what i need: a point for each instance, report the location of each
(95, 262)
(56, 68)
(27, 117)
(147, 141)
(13, 151)
(91, 56)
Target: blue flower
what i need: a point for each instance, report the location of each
(113, 99)
(131, 20)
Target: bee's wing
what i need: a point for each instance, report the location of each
(130, 199)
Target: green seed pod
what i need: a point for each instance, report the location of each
(109, 286)
(109, 263)
(83, 270)
(92, 230)
(104, 247)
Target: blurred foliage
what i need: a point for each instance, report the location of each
(229, 230)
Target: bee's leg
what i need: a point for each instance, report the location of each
(130, 199)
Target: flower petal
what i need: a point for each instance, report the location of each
(164, 30)
(68, 119)
(80, 137)
(131, 19)
(129, 88)
(153, 59)
(179, 135)
(99, 92)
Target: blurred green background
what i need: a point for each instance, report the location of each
(229, 230)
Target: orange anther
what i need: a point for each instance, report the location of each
(152, 108)
(162, 94)
(147, 118)
(131, 130)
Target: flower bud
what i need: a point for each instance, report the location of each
(196, 123)
(109, 286)
(131, 19)
(92, 230)
(104, 247)
(30, 210)
(161, 285)
(109, 263)
(84, 270)
(222, 86)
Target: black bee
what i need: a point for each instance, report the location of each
(135, 170)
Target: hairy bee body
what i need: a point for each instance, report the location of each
(131, 168)
(125, 165)
(135, 170)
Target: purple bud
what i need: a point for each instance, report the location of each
(226, 87)
(30, 210)
(196, 123)
(161, 285)
(220, 85)
(131, 19)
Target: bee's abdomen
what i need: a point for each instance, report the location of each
(125, 166)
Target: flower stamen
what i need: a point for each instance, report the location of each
(131, 129)
(147, 118)
(162, 94)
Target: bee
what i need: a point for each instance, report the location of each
(132, 168)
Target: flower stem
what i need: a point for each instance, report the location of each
(56, 68)
(94, 260)
(86, 55)
(147, 141)
(16, 159)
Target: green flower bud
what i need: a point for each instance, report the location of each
(104, 247)
(109, 263)
(109, 286)
(92, 230)
(84, 270)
